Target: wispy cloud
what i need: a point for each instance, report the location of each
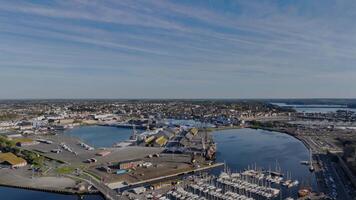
(199, 42)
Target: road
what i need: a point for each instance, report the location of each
(108, 193)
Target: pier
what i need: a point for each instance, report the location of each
(169, 177)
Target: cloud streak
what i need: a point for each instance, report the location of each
(226, 46)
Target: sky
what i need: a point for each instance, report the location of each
(177, 49)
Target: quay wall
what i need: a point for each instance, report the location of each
(171, 176)
(58, 191)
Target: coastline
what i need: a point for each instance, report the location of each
(49, 190)
(222, 128)
(21, 178)
(50, 184)
(282, 131)
(71, 191)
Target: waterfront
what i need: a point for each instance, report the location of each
(241, 148)
(237, 147)
(7, 193)
(315, 108)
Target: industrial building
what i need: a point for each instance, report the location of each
(11, 160)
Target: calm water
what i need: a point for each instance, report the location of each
(241, 148)
(321, 110)
(238, 148)
(101, 136)
(313, 108)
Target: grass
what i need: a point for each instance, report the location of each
(22, 140)
(65, 170)
(93, 174)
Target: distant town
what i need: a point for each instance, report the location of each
(170, 151)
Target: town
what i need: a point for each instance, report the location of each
(169, 140)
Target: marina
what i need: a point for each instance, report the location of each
(271, 151)
(246, 185)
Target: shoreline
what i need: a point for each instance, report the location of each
(222, 128)
(47, 190)
(285, 132)
(67, 189)
(71, 191)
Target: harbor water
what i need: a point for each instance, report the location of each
(241, 149)
(101, 136)
(314, 108)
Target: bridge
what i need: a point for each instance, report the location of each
(107, 192)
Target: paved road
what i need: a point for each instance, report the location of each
(104, 189)
(108, 193)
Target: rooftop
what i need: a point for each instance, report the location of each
(11, 159)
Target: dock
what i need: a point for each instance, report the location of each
(171, 176)
(247, 185)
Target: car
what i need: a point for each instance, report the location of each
(91, 160)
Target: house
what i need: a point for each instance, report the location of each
(10, 159)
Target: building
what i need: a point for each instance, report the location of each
(130, 164)
(103, 153)
(149, 139)
(23, 142)
(10, 159)
(161, 141)
(139, 190)
(25, 125)
(194, 131)
(13, 136)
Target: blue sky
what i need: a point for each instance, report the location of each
(177, 49)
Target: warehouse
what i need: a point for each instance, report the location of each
(9, 159)
(130, 164)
